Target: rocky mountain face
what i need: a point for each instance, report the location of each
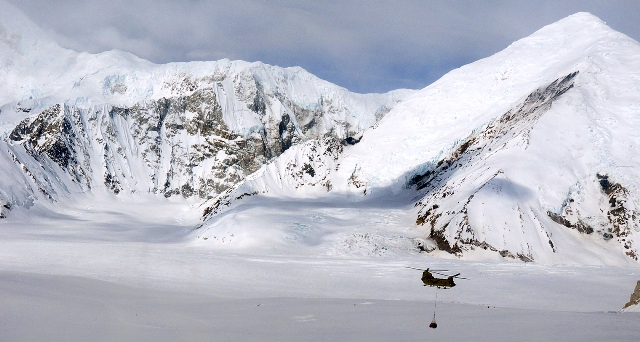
(304, 170)
(181, 145)
(113, 122)
(467, 173)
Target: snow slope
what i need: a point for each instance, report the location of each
(528, 154)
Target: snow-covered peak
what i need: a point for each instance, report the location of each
(19, 33)
(33, 66)
(29, 57)
(34, 69)
(431, 122)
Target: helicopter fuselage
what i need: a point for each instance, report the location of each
(429, 280)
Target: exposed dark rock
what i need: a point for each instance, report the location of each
(443, 244)
(525, 258)
(579, 225)
(621, 218)
(309, 169)
(635, 297)
(6, 207)
(351, 141)
(259, 105)
(604, 182)
(506, 254)
(112, 183)
(286, 132)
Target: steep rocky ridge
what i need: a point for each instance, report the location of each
(468, 164)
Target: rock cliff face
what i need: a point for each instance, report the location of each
(196, 142)
(304, 170)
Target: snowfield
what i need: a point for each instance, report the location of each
(128, 269)
(235, 201)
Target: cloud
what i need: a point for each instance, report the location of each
(366, 46)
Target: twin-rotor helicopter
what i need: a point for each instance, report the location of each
(442, 283)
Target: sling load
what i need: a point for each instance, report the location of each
(433, 324)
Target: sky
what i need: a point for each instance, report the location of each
(362, 45)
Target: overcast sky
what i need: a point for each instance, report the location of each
(365, 46)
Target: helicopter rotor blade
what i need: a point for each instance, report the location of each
(459, 277)
(413, 268)
(442, 274)
(428, 269)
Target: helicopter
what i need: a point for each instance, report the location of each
(442, 283)
(439, 283)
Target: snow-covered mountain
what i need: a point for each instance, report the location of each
(76, 122)
(529, 154)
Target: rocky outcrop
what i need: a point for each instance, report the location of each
(635, 298)
(305, 168)
(622, 215)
